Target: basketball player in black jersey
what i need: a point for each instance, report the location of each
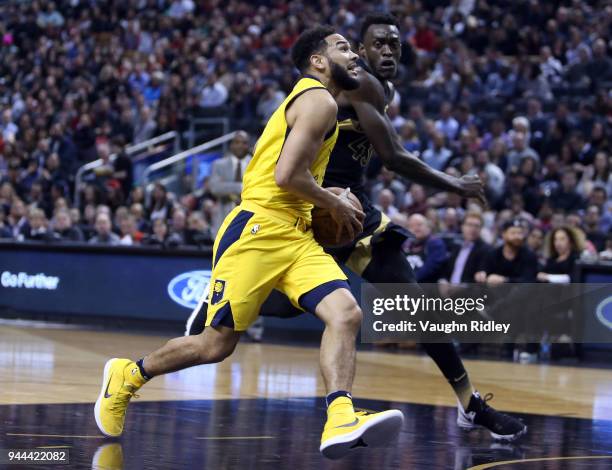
(376, 254)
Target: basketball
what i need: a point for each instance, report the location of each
(325, 227)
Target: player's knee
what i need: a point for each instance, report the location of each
(349, 318)
(222, 352)
(213, 351)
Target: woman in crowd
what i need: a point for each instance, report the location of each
(563, 247)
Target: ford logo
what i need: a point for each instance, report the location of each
(188, 288)
(604, 312)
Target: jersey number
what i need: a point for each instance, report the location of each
(361, 150)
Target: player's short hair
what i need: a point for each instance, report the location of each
(377, 18)
(311, 41)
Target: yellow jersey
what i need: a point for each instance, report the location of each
(259, 185)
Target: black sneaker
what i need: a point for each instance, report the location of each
(502, 427)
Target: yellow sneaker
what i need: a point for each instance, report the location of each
(346, 429)
(121, 381)
(108, 457)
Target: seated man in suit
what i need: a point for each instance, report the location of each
(465, 261)
(226, 176)
(426, 253)
(468, 258)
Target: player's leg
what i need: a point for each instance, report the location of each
(385, 263)
(235, 300)
(123, 377)
(342, 318)
(210, 346)
(318, 285)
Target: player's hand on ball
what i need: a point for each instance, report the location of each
(347, 216)
(472, 187)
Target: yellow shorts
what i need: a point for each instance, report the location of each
(259, 249)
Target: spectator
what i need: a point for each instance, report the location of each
(5, 231)
(531, 82)
(17, 220)
(550, 67)
(37, 227)
(450, 224)
(137, 210)
(128, 232)
(566, 197)
(495, 179)
(64, 229)
(137, 196)
(511, 262)
(103, 231)
(210, 212)
(598, 174)
(599, 198)
(501, 84)
(61, 144)
(535, 242)
(385, 203)
(387, 180)
(180, 8)
(160, 206)
(270, 99)
(599, 68)
(198, 232)
(397, 120)
(592, 229)
(519, 152)
(437, 155)
(447, 125)
(159, 236)
(145, 125)
(123, 171)
(226, 176)
(8, 127)
(563, 248)
(179, 225)
(426, 253)
(607, 253)
(425, 38)
(87, 224)
(214, 94)
(467, 258)
(410, 138)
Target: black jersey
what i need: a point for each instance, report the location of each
(352, 152)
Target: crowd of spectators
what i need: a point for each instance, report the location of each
(517, 92)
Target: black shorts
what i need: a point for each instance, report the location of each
(377, 229)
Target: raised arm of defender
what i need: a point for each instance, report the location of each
(311, 116)
(368, 102)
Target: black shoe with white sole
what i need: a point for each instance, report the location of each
(502, 427)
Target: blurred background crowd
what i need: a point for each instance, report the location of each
(518, 92)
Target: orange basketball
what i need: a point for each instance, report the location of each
(325, 227)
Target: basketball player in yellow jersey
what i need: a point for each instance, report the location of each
(266, 243)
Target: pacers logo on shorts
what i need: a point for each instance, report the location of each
(217, 291)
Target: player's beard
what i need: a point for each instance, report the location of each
(342, 78)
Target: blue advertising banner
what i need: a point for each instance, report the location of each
(147, 283)
(113, 282)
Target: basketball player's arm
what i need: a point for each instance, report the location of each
(369, 104)
(310, 117)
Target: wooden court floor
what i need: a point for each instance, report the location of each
(50, 378)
